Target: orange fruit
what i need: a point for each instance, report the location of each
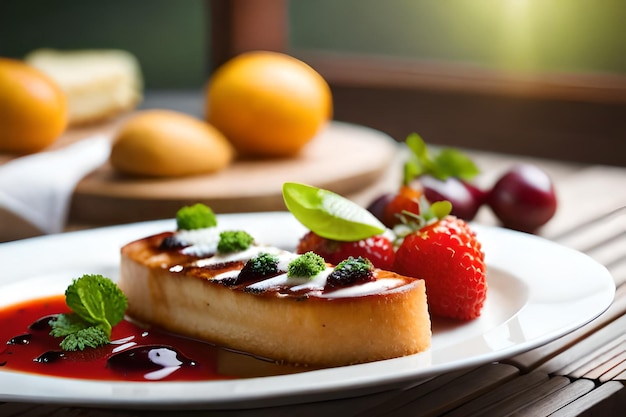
(33, 108)
(267, 103)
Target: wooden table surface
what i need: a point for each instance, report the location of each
(582, 373)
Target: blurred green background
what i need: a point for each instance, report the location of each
(170, 37)
(166, 36)
(520, 35)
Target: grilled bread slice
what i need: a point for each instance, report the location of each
(203, 295)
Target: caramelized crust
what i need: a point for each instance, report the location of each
(306, 326)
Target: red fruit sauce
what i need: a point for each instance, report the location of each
(135, 354)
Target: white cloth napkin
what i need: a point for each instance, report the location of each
(39, 187)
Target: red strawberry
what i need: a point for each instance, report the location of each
(378, 249)
(447, 255)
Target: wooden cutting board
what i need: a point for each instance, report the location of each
(352, 160)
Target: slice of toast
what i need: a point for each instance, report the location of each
(288, 320)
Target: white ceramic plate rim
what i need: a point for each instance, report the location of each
(538, 291)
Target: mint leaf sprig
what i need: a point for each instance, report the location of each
(446, 163)
(97, 305)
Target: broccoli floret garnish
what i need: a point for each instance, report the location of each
(307, 265)
(358, 266)
(198, 216)
(350, 271)
(263, 264)
(234, 241)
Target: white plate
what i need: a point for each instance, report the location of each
(538, 291)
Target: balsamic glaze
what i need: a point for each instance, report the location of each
(172, 243)
(148, 358)
(42, 324)
(22, 339)
(50, 356)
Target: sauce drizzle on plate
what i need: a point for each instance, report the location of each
(136, 353)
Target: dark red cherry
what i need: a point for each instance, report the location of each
(377, 206)
(523, 198)
(466, 198)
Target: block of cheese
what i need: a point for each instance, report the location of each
(99, 84)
